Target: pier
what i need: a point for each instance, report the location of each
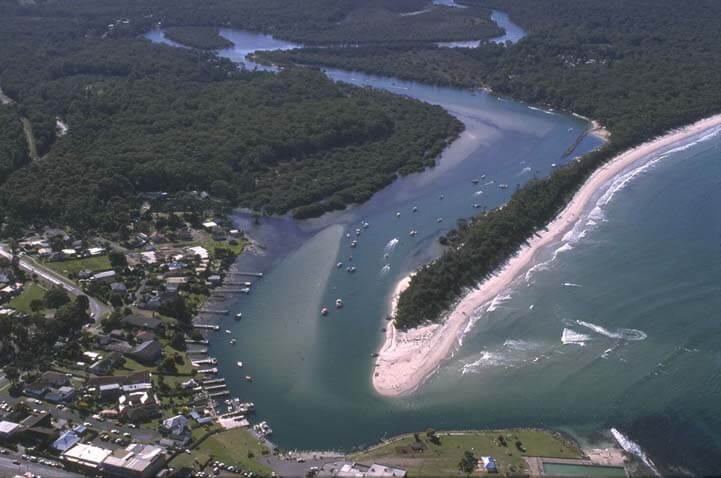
(219, 394)
(212, 381)
(206, 326)
(243, 290)
(208, 370)
(251, 274)
(215, 387)
(214, 311)
(208, 361)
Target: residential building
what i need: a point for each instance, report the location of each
(135, 461)
(8, 429)
(148, 352)
(139, 406)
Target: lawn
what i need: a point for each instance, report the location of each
(31, 292)
(230, 447)
(442, 459)
(211, 244)
(73, 266)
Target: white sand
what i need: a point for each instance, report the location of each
(408, 358)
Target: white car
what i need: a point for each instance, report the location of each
(132, 425)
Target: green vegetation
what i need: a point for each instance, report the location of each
(31, 292)
(237, 447)
(441, 454)
(204, 38)
(70, 268)
(13, 148)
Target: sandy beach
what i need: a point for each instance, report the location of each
(407, 359)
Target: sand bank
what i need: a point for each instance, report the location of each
(408, 358)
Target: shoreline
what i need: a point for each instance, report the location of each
(407, 359)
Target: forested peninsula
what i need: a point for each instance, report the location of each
(640, 69)
(146, 118)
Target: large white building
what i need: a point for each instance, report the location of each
(86, 457)
(135, 461)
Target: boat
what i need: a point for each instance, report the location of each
(476, 205)
(475, 180)
(415, 208)
(238, 316)
(233, 341)
(324, 311)
(339, 265)
(365, 225)
(412, 232)
(245, 290)
(338, 303)
(239, 364)
(248, 378)
(227, 331)
(398, 214)
(440, 219)
(350, 269)
(354, 243)
(503, 186)
(553, 165)
(483, 176)
(347, 234)
(442, 196)
(357, 232)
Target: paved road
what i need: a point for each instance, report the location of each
(9, 469)
(96, 307)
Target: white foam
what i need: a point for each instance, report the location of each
(478, 193)
(569, 336)
(391, 245)
(487, 359)
(606, 352)
(625, 334)
(634, 448)
(525, 170)
(571, 284)
(497, 302)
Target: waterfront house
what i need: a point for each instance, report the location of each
(105, 276)
(148, 352)
(139, 406)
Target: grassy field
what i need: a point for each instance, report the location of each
(441, 459)
(73, 266)
(30, 292)
(230, 447)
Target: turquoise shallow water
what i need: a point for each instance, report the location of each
(620, 330)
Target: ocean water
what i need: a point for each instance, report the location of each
(615, 327)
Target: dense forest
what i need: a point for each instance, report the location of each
(147, 117)
(13, 148)
(203, 38)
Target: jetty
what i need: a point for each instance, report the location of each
(215, 311)
(216, 387)
(219, 394)
(212, 381)
(206, 326)
(208, 370)
(208, 361)
(231, 290)
(201, 342)
(251, 274)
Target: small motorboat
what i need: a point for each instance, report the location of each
(233, 341)
(365, 225)
(483, 176)
(357, 232)
(239, 364)
(227, 331)
(503, 186)
(353, 243)
(350, 269)
(324, 311)
(248, 378)
(339, 265)
(553, 165)
(398, 214)
(442, 196)
(440, 219)
(238, 316)
(415, 208)
(412, 232)
(338, 303)
(476, 205)
(475, 180)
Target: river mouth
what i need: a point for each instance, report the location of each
(312, 372)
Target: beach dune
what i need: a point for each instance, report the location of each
(407, 358)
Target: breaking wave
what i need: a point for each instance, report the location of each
(633, 448)
(498, 301)
(625, 334)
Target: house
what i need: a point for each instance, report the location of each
(144, 336)
(85, 274)
(176, 426)
(118, 288)
(85, 458)
(96, 251)
(210, 225)
(8, 429)
(488, 463)
(39, 428)
(101, 367)
(148, 352)
(61, 395)
(110, 391)
(139, 406)
(201, 252)
(69, 253)
(135, 461)
(104, 277)
(377, 469)
(66, 441)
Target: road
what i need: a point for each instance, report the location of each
(9, 469)
(97, 308)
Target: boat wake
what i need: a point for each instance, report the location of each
(624, 334)
(512, 353)
(571, 284)
(391, 245)
(634, 448)
(569, 336)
